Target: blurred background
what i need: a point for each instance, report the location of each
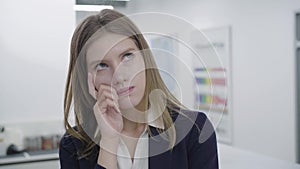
(258, 42)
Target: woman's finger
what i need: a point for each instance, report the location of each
(103, 87)
(108, 120)
(91, 86)
(107, 102)
(106, 94)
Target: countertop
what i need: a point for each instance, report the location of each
(28, 157)
(235, 158)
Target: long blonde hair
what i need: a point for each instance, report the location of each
(76, 83)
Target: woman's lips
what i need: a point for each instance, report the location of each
(125, 91)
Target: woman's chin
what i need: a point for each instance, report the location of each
(129, 104)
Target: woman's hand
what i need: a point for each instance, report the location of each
(106, 110)
(109, 119)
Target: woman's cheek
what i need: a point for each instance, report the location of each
(100, 79)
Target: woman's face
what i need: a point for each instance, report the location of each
(116, 61)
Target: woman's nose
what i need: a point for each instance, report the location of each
(119, 75)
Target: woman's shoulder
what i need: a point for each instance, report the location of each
(196, 135)
(193, 117)
(71, 152)
(70, 143)
(191, 124)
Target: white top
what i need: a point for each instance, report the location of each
(140, 155)
(141, 151)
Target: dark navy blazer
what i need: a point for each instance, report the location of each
(196, 147)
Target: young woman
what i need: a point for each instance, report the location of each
(125, 115)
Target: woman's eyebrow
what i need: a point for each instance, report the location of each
(127, 50)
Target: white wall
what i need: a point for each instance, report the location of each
(34, 50)
(263, 65)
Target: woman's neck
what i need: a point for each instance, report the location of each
(134, 120)
(133, 128)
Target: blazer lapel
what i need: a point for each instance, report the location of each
(159, 155)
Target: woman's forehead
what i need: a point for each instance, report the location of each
(109, 44)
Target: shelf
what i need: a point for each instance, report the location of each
(27, 157)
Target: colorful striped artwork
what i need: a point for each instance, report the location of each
(209, 81)
(210, 99)
(210, 69)
(206, 77)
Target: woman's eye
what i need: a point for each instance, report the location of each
(128, 56)
(101, 66)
